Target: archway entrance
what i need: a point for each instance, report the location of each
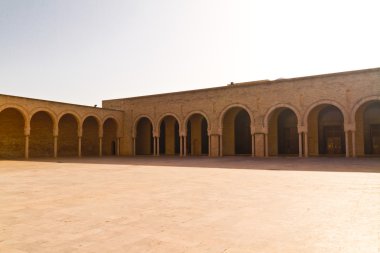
(109, 143)
(12, 138)
(237, 132)
(331, 140)
(41, 142)
(169, 136)
(144, 137)
(68, 136)
(197, 135)
(90, 137)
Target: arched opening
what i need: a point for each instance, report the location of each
(283, 132)
(90, 137)
(197, 135)
(41, 142)
(68, 136)
(169, 136)
(326, 131)
(368, 129)
(12, 138)
(237, 132)
(109, 144)
(144, 137)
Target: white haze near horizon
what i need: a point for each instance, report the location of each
(85, 51)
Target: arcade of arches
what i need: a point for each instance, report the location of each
(335, 114)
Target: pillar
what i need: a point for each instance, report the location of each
(185, 145)
(353, 144)
(158, 146)
(266, 144)
(154, 145)
(347, 146)
(180, 145)
(79, 146)
(55, 146)
(134, 146)
(209, 145)
(100, 146)
(306, 144)
(253, 144)
(26, 146)
(220, 145)
(118, 146)
(300, 144)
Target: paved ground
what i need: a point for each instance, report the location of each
(190, 205)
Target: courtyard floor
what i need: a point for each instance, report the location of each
(168, 204)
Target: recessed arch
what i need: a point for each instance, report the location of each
(366, 118)
(52, 115)
(236, 131)
(281, 107)
(164, 116)
(325, 128)
(110, 142)
(143, 132)
(88, 115)
(72, 113)
(197, 112)
(196, 127)
(136, 121)
(12, 132)
(325, 102)
(281, 122)
(41, 141)
(90, 135)
(169, 129)
(19, 108)
(242, 106)
(68, 131)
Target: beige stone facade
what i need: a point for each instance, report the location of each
(333, 114)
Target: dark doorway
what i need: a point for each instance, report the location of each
(331, 138)
(243, 133)
(287, 132)
(375, 139)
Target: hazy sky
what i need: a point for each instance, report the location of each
(83, 51)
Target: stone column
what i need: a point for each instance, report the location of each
(100, 146)
(79, 146)
(306, 144)
(347, 146)
(300, 144)
(118, 146)
(266, 142)
(220, 145)
(158, 146)
(154, 145)
(185, 145)
(209, 145)
(55, 146)
(180, 145)
(253, 144)
(26, 146)
(353, 144)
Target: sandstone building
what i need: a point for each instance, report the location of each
(333, 114)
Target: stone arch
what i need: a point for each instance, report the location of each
(110, 144)
(96, 117)
(223, 112)
(14, 125)
(143, 130)
(325, 102)
(52, 115)
(366, 126)
(43, 127)
(236, 123)
(136, 121)
(67, 136)
(118, 124)
(165, 115)
(279, 106)
(282, 122)
(361, 102)
(91, 127)
(196, 112)
(19, 108)
(197, 136)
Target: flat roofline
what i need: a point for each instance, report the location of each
(63, 103)
(250, 83)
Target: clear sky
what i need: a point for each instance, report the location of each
(83, 51)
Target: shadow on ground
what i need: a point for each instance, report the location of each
(332, 164)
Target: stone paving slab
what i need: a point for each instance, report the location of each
(231, 204)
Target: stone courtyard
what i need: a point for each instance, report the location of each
(171, 204)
